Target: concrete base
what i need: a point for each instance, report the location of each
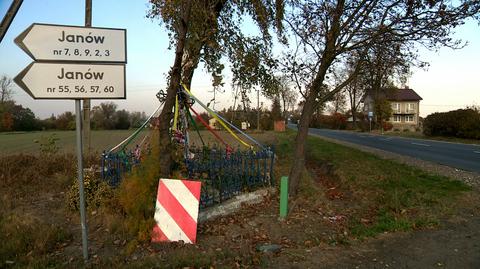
(234, 204)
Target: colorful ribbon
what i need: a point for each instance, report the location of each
(209, 128)
(175, 117)
(211, 112)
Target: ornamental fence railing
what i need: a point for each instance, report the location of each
(223, 174)
(114, 165)
(226, 174)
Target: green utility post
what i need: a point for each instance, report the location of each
(283, 197)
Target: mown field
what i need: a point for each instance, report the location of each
(29, 142)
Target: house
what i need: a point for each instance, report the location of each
(213, 123)
(245, 125)
(405, 107)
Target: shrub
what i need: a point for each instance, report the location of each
(387, 126)
(21, 234)
(462, 123)
(97, 193)
(48, 144)
(334, 121)
(137, 194)
(339, 121)
(19, 171)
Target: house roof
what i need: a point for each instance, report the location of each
(405, 94)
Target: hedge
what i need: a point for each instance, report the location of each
(462, 123)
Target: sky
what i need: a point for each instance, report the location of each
(452, 81)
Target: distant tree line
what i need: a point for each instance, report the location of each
(103, 117)
(250, 115)
(15, 117)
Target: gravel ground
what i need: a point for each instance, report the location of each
(470, 178)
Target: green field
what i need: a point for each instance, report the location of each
(24, 142)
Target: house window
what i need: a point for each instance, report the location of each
(409, 118)
(396, 107)
(411, 107)
(397, 118)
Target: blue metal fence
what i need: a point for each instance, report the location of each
(115, 164)
(225, 175)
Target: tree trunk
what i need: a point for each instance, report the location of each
(166, 115)
(192, 56)
(299, 155)
(328, 57)
(353, 106)
(354, 118)
(302, 133)
(190, 64)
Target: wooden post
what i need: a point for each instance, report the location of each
(86, 102)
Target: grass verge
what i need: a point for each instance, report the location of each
(420, 135)
(374, 194)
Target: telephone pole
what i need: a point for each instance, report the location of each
(258, 109)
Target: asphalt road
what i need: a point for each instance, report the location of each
(461, 156)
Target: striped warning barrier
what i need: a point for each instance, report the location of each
(176, 211)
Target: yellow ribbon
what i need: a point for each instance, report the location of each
(217, 118)
(175, 117)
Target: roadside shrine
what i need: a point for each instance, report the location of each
(223, 170)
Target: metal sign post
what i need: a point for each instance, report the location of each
(79, 120)
(73, 62)
(83, 219)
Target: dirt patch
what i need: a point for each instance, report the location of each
(453, 245)
(310, 238)
(325, 176)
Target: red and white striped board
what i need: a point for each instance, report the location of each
(176, 211)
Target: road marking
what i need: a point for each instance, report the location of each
(386, 139)
(478, 152)
(420, 144)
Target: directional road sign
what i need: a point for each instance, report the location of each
(73, 81)
(46, 42)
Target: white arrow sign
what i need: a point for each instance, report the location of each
(73, 81)
(45, 42)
